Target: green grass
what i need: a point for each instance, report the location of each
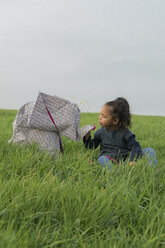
(68, 202)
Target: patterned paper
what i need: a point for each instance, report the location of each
(45, 121)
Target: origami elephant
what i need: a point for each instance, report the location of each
(45, 121)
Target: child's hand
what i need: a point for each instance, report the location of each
(87, 135)
(131, 163)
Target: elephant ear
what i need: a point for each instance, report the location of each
(55, 114)
(39, 117)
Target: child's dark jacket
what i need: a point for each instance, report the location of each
(117, 144)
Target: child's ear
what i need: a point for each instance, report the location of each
(116, 121)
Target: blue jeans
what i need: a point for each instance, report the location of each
(148, 152)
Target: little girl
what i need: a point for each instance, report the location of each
(116, 141)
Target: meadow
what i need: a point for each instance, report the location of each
(70, 202)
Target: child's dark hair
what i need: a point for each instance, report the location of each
(121, 111)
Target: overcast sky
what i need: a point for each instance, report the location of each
(88, 51)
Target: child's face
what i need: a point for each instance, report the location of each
(105, 118)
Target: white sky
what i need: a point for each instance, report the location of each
(88, 51)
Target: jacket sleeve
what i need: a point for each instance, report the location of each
(134, 147)
(93, 143)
